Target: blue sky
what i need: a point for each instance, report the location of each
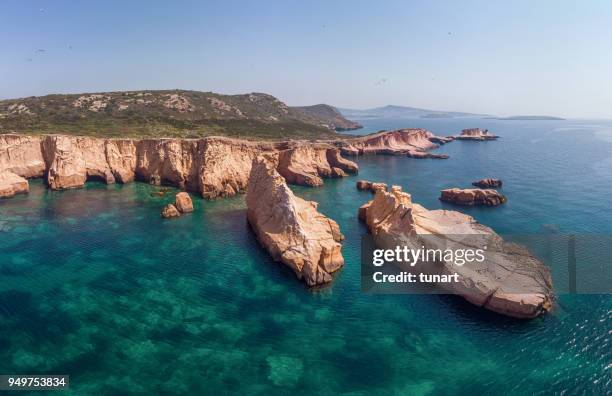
(496, 57)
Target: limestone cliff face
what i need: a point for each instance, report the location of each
(212, 167)
(290, 228)
(510, 280)
(22, 155)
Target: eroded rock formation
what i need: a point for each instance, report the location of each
(170, 211)
(510, 280)
(476, 134)
(411, 142)
(213, 167)
(290, 228)
(473, 196)
(488, 183)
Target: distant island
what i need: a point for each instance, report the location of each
(527, 118)
(171, 113)
(393, 111)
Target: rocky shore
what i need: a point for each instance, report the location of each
(510, 281)
(290, 228)
(11, 184)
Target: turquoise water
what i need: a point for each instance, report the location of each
(93, 283)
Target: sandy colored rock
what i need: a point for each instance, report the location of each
(183, 202)
(290, 228)
(472, 196)
(510, 281)
(11, 184)
(488, 183)
(476, 134)
(170, 211)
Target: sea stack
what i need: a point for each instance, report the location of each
(510, 281)
(472, 197)
(290, 228)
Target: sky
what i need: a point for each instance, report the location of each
(493, 57)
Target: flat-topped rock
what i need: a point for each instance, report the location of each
(472, 197)
(476, 134)
(488, 183)
(365, 185)
(510, 281)
(11, 184)
(290, 228)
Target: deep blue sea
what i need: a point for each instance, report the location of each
(94, 284)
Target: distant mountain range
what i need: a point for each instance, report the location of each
(392, 111)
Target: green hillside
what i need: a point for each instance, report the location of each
(175, 113)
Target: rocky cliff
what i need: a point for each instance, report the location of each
(290, 228)
(510, 281)
(213, 167)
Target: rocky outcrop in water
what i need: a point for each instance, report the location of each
(11, 184)
(369, 186)
(488, 183)
(170, 211)
(472, 196)
(290, 228)
(213, 167)
(183, 202)
(476, 134)
(510, 281)
(411, 142)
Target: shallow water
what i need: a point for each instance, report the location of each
(93, 283)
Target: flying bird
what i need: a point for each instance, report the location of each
(381, 81)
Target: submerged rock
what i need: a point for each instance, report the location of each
(510, 281)
(488, 183)
(170, 211)
(290, 228)
(183, 202)
(11, 184)
(473, 196)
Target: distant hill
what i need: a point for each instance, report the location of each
(332, 117)
(175, 113)
(392, 111)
